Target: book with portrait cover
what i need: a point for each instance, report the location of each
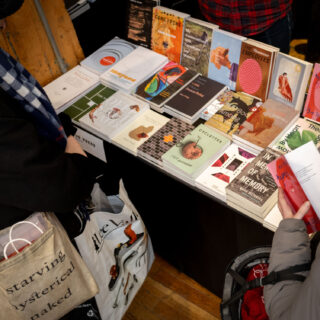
(311, 109)
(301, 132)
(224, 57)
(112, 115)
(165, 138)
(223, 170)
(265, 125)
(139, 131)
(255, 68)
(289, 80)
(164, 84)
(237, 108)
(133, 69)
(197, 44)
(189, 102)
(254, 189)
(167, 32)
(298, 174)
(106, 56)
(190, 156)
(139, 21)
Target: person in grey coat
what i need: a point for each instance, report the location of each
(293, 300)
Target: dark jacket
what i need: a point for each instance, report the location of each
(36, 174)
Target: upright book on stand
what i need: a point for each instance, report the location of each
(167, 32)
(289, 81)
(255, 68)
(133, 69)
(164, 84)
(311, 108)
(106, 56)
(298, 174)
(197, 44)
(224, 57)
(139, 21)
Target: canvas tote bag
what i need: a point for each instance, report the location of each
(118, 252)
(47, 279)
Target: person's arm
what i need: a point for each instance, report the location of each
(292, 300)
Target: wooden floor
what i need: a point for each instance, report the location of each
(168, 294)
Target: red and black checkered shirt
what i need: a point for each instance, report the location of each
(244, 17)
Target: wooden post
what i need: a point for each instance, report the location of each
(26, 40)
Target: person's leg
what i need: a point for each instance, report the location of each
(279, 34)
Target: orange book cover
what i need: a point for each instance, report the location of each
(167, 34)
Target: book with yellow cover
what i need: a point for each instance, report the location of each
(167, 32)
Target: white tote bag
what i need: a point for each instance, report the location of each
(118, 251)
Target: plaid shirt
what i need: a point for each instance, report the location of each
(244, 17)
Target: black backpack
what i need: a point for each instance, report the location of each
(236, 285)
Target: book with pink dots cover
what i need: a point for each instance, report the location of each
(255, 68)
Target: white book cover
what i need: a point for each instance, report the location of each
(289, 80)
(108, 55)
(305, 164)
(138, 131)
(70, 85)
(133, 69)
(224, 169)
(113, 114)
(272, 219)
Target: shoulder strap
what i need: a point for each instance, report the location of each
(272, 278)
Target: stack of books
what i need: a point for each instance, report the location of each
(188, 103)
(254, 192)
(188, 158)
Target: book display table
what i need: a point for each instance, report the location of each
(195, 232)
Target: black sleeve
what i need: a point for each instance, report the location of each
(36, 174)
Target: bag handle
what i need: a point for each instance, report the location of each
(11, 242)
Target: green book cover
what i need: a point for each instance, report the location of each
(196, 149)
(88, 102)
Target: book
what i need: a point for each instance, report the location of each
(298, 174)
(165, 138)
(289, 80)
(255, 68)
(188, 103)
(69, 86)
(111, 116)
(167, 32)
(189, 157)
(133, 69)
(254, 191)
(216, 104)
(196, 45)
(264, 126)
(139, 130)
(106, 56)
(164, 84)
(311, 108)
(223, 170)
(224, 57)
(272, 219)
(237, 108)
(301, 132)
(139, 21)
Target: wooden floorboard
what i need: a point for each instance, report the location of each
(168, 294)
